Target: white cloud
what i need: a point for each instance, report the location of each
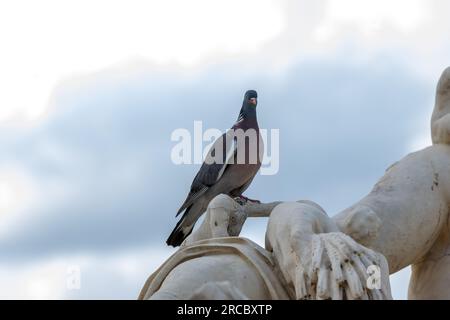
(371, 15)
(17, 192)
(44, 41)
(117, 275)
(413, 32)
(45, 280)
(371, 25)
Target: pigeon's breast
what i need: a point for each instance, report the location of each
(250, 149)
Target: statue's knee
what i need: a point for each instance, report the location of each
(215, 290)
(164, 295)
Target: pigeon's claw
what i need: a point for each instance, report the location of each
(243, 200)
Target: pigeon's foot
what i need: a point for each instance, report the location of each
(243, 200)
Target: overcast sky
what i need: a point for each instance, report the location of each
(92, 90)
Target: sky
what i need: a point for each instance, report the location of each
(92, 90)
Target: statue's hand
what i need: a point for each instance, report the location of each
(340, 268)
(320, 263)
(224, 218)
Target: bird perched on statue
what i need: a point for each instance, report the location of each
(229, 167)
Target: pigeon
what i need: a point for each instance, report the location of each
(229, 167)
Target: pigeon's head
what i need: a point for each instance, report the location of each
(251, 98)
(248, 110)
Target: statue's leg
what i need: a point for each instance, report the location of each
(222, 276)
(218, 291)
(430, 280)
(430, 277)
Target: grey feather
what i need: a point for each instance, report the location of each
(210, 172)
(220, 173)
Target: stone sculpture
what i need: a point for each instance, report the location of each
(403, 221)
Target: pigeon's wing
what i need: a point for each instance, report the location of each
(221, 153)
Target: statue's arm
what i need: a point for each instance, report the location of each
(319, 262)
(226, 216)
(404, 213)
(406, 210)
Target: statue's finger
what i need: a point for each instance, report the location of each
(301, 291)
(376, 294)
(386, 295)
(353, 281)
(385, 284)
(323, 289)
(316, 259)
(365, 296)
(335, 263)
(360, 269)
(344, 244)
(383, 292)
(366, 261)
(336, 289)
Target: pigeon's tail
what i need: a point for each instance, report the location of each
(181, 231)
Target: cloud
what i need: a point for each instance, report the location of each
(112, 276)
(371, 16)
(101, 160)
(74, 38)
(91, 183)
(199, 33)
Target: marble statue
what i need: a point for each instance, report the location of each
(403, 221)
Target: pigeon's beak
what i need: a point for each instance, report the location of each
(252, 101)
